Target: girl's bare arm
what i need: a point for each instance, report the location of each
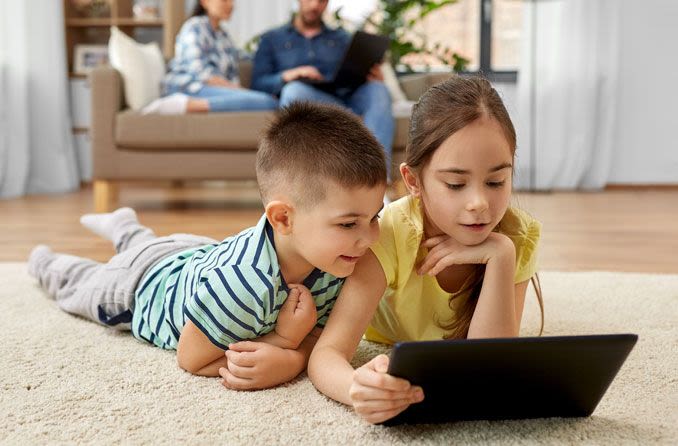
(375, 395)
(329, 367)
(495, 315)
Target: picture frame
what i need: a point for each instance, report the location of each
(87, 57)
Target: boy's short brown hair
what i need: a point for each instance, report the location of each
(308, 144)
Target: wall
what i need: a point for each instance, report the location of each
(646, 151)
(647, 118)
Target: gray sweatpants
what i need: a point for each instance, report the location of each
(104, 292)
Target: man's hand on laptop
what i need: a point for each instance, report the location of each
(375, 73)
(304, 71)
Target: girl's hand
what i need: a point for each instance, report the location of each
(377, 396)
(445, 251)
(297, 316)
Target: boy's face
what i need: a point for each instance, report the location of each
(335, 233)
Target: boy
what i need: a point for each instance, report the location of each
(321, 176)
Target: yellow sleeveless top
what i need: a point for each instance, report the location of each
(413, 306)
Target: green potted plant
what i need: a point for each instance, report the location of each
(394, 18)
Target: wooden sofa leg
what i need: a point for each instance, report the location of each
(105, 195)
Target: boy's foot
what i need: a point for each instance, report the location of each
(104, 225)
(174, 104)
(37, 257)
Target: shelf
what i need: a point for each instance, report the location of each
(81, 23)
(108, 21)
(81, 29)
(138, 22)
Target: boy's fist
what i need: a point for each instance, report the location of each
(297, 316)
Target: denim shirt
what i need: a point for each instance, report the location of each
(200, 53)
(284, 48)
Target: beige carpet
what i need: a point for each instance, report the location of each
(67, 380)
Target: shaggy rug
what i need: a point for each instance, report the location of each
(67, 380)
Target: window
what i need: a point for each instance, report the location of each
(486, 32)
(505, 35)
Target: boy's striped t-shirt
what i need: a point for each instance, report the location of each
(231, 291)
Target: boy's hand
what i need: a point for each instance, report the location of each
(377, 396)
(258, 365)
(446, 251)
(298, 315)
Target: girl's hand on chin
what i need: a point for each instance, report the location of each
(445, 251)
(377, 396)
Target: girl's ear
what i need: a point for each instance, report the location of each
(411, 180)
(280, 215)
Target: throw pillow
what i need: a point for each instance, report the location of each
(142, 67)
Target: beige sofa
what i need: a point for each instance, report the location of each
(128, 146)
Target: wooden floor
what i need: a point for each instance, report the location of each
(614, 230)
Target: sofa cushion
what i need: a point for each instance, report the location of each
(235, 131)
(198, 131)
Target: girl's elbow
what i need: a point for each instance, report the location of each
(313, 364)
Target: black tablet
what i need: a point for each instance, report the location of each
(507, 378)
(364, 51)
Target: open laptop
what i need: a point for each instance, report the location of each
(507, 378)
(362, 53)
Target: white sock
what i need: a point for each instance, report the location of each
(36, 257)
(174, 104)
(105, 224)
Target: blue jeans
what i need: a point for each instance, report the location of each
(222, 99)
(371, 100)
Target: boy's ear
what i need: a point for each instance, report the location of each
(280, 216)
(410, 179)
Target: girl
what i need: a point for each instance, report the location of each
(203, 75)
(453, 259)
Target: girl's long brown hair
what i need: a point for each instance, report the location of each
(443, 110)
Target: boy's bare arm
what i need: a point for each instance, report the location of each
(296, 319)
(196, 354)
(259, 365)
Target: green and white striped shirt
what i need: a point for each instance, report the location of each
(231, 291)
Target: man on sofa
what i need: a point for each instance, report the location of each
(307, 48)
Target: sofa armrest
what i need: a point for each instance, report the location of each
(106, 85)
(414, 85)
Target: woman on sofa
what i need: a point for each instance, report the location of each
(203, 76)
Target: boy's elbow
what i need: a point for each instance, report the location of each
(186, 364)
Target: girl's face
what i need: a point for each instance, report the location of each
(218, 9)
(466, 185)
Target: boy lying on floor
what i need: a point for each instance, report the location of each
(322, 177)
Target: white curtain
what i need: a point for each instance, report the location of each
(567, 93)
(253, 17)
(37, 153)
